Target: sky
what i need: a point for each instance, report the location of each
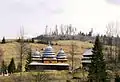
(34, 15)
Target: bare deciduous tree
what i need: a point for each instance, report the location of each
(22, 49)
(109, 34)
(46, 30)
(61, 30)
(73, 53)
(114, 47)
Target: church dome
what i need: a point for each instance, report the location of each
(61, 54)
(49, 49)
(49, 52)
(36, 54)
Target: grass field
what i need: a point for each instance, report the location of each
(11, 50)
(51, 76)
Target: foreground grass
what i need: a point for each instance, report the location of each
(45, 76)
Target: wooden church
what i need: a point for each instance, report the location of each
(49, 60)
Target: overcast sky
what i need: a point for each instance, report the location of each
(34, 15)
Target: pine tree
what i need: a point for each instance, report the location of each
(18, 40)
(28, 60)
(32, 40)
(97, 69)
(11, 67)
(3, 40)
(3, 68)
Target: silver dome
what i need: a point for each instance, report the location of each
(61, 54)
(49, 52)
(36, 54)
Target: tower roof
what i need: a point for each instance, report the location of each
(87, 52)
(49, 52)
(61, 54)
(36, 54)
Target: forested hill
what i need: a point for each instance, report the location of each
(82, 37)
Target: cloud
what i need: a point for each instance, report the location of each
(36, 6)
(32, 14)
(117, 2)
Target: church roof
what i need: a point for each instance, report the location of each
(88, 52)
(86, 61)
(61, 54)
(49, 52)
(36, 54)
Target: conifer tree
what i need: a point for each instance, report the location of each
(3, 68)
(18, 40)
(11, 67)
(97, 68)
(32, 40)
(3, 40)
(28, 60)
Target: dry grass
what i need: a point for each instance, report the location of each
(66, 45)
(11, 49)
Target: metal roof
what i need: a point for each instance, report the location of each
(36, 54)
(49, 52)
(88, 52)
(61, 54)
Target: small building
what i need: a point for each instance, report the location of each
(49, 60)
(86, 58)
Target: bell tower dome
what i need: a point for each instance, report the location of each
(49, 55)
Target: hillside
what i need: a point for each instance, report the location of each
(11, 49)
